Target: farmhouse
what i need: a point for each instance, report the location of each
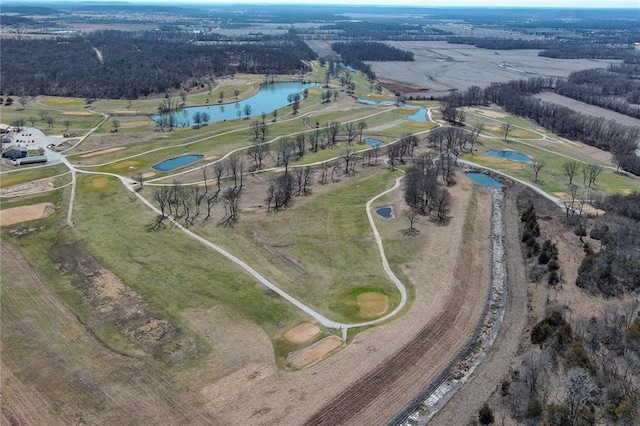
(14, 152)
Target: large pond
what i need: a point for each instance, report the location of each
(269, 98)
(174, 163)
(509, 155)
(484, 179)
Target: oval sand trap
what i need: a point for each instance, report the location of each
(372, 304)
(302, 333)
(306, 356)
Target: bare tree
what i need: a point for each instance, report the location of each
(581, 392)
(247, 111)
(537, 165)
(230, 199)
(332, 130)
(302, 180)
(23, 101)
(570, 169)
(258, 151)
(300, 144)
(349, 157)
(284, 150)
(49, 121)
(593, 171)
(412, 216)
(506, 129)
(351, 131)
(442, 205)
(32, 119)
(361, 126)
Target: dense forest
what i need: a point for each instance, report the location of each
(614, 269)
(616, 88)
(113, 64)
(370, 51)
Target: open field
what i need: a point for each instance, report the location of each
(588, 109)
(441, 67)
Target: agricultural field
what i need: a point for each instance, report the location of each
(441, 67)
(589, 109)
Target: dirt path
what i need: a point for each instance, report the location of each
(464, 406)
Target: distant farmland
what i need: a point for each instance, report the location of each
(442, 67)
(585, 108)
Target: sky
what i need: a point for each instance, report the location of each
(424, 3)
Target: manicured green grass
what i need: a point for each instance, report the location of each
(321, 248)
(552, 177)
(27, 175)
(171, 271)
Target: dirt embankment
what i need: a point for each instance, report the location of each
(464, 406)
(119, 306)
(55, 372)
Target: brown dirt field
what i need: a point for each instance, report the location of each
(25, 213)
(28, 188)
(313, 353)
(104, 151)
(56, 372)
(301, 333)
(372, 304)
(446, 308)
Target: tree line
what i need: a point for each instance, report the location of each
(370, 51)
(578, 48)
(128, 67)
(615, 88)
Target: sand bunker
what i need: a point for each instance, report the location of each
(104, 151)
(82, 113)
(306, 356)
(302, 333)
(372, 304)
(99, 182)
(25, 213)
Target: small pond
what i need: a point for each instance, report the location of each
(373, 142)
(174, 163)
(386, 212)
(509, 155)
(420, 116)
(484, 179)
(374, 102)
